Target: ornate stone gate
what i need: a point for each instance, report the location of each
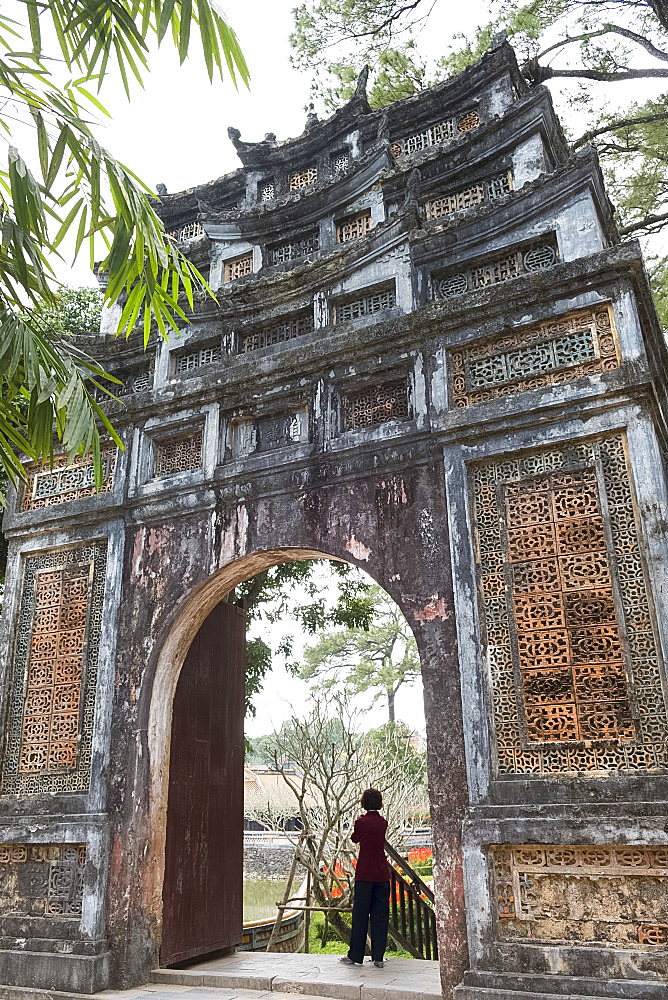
(430, 356)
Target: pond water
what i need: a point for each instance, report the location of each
(260, 897)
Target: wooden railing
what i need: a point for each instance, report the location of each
(412, 917)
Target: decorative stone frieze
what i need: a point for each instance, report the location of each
(444, 131)
(41, 880)
(447, 204)
(288, 328)
(366, 305)
(178, 453)
(582, 894)
(374, 405)
(495, 269)
(549, 353)
(64, 482)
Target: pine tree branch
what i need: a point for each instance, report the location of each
(539, 74)
(650, 221)
(615, 126)
(608, 29)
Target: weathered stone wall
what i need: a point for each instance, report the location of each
(268, 861)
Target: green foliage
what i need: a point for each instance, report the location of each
(258, 664)
(636, 158)
(658, 274)
(73, 311)
(80, 189)
(399, 72)
(270, 596)
(377, 660)
(425, 869)
(393, 739)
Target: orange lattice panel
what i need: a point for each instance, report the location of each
(556, 351)
(55, 670)
(570, 655)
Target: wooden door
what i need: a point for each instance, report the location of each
(202, 892)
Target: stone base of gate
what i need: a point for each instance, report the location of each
(519, 986)
(46, 970)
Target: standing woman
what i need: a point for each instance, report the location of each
(371, 903)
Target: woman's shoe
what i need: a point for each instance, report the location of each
(344, 960)
(379, 965)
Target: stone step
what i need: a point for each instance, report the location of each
(487, 993)
(312, 976)
(536, 986)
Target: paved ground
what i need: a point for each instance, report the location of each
(262, 976)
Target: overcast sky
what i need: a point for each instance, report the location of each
(283, 694)
(175, 131)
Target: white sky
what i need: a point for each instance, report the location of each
(175, 131)
(284, 694)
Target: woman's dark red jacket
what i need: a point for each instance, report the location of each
(369, 833)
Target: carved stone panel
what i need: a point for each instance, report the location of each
(592, 894)
(555, 351)
(47, 486)
(41, 880)
(54, 672)
(568, 626)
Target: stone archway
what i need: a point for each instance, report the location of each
(160, 560)
(185, 626)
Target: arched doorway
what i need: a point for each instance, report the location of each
(203, 854)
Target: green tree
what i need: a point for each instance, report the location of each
(579, 47)
(74, 312)
(80, 189)
(378, 660)
(398, 736)
(270, 596)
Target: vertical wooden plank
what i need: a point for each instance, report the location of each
(202, 891)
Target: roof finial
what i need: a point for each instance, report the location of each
(311, 118)
(362, 79)
(235, 135)
(161, 189)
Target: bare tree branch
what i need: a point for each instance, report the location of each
(608, 29)
(647, 223)
(615, 126)
(540, 74)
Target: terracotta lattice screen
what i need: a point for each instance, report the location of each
(54, 672)
(554, 531)
(42, 880)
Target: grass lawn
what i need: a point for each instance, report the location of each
(336, 947)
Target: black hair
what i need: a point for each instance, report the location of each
(372, 799)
